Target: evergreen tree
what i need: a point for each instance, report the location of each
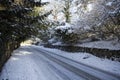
(17, 24)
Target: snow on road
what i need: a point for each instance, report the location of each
(27, 64)
(89, 59)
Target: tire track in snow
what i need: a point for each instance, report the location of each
(54, 69)
(71, 68)
(102, 75)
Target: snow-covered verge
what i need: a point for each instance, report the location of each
(112, 45)
(18, 66)
(88, 59)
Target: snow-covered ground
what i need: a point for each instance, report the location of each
(112, 45)
(28, 64)
(89, 59)
(19, 67)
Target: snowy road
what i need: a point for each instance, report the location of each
(32, 63)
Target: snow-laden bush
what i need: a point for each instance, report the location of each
(66, 34)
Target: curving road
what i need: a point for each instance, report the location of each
(34, 63)
(83, 71)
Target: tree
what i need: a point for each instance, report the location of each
(17, 24)
(66, 10)
(110, 22)
(16, 18)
